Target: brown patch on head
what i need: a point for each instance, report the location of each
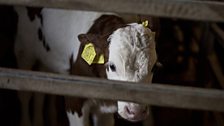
(98, 34)
(106, 24)
(80, 67)
(99, 41)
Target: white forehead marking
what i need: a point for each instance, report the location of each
(132, 50)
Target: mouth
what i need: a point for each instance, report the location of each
(132, 121)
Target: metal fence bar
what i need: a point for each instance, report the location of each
(154, 94)
(186, 9)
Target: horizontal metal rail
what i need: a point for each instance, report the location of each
(186, 9)
(153, 94)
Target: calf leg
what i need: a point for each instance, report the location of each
(24, 98)
(52, 110)
(38, 109)
(26, 61)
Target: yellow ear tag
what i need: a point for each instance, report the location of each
(99, 59)
(89, 53)
(145, 23)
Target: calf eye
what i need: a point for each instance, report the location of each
(112, 67)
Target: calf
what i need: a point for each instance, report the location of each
(129, 54)
(47, 41)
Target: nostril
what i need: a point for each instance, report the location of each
(129, 111)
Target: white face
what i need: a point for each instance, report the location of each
(132, 55)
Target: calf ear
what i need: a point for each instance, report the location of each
(83, 38)
(87, 38)
(98, 42)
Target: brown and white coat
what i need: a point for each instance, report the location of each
(48, 39)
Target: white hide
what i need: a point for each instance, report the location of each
(74, 119)
(60, 29)
(132, 53)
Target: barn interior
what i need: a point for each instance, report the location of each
(191, 54)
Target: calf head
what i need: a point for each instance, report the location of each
(130, 55)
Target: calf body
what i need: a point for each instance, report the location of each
(51, 38)
(45, 41)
